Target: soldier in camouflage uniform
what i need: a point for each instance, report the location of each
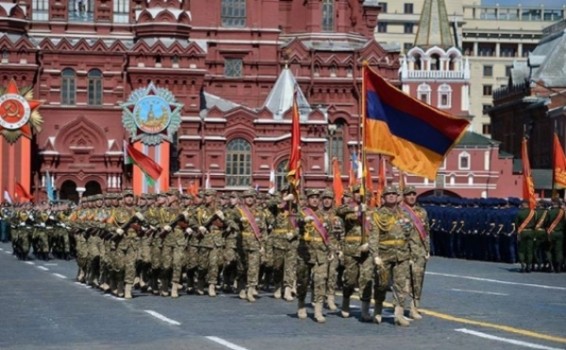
(157, 220)
(390, 229)
(43, 227)
(314, 252)
(209, 224)
(336, 237)
(253, 223)
(77, 226)
(284, 242)
(93, 242)
(193, 244)
(356, 251)
(419, 246)
(145, 206)
(232, 266)
(174, 246)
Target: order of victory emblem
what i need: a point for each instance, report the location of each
(151, 115)
(18, 113)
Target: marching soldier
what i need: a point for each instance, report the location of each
(336, 236)
(419, 246)
(525, 222)
(253, 228)
(390, 251)
(555, 231)
(174, 245)
(232, 245)
(314, 252)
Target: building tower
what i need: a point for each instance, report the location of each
(434, 70)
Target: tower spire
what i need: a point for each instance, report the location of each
(434, 26)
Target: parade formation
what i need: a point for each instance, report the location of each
(170, 243)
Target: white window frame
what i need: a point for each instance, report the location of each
(445, 89)
(460, 157)
(424, 89)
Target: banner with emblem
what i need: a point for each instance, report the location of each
(19, 121)
(152, 117)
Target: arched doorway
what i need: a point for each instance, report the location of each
(69, 191)
(92, 188)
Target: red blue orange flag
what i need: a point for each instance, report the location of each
(415, 135)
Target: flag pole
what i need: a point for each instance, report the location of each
(554, 191)
(361, 135)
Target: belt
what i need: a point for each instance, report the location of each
(247, 234)
(280, 231)
(314, 239)
(353, 238)
(393, 242)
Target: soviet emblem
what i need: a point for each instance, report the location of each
(18, 113)
(151, 115)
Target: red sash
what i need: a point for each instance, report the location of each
(527, 221)
(248, 214)
(419, 225)
(557, 219)
(318, 225)
(540, 221)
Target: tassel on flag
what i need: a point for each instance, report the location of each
(7, 197)
(272, 188)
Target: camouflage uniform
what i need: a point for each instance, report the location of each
(390, 251)
(232, 265)
(419, 246)
(336, 240)
(314, 254)
(253, 229)
(173, 251)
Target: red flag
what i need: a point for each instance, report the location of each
(559, 175)
(145, 163)
(528, 185)
(294, 174)
(22, 193)
(337, 184)
(381, 181)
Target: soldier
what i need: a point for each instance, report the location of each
(540, 236)
(525, 222)
(174, 246)
(314, 252)
(284, 242)
(253, 229)
(555, 231)
(419, 246)
(335, 238)
(209, 224)
(356, 251)
(233, 266)
(390, 252)
(157, 219)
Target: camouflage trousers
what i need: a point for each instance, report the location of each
(284, 267)
(251, 265)
(172, 260)
(319, 273)
(358, 273)
(125, 260)
(418, 268)
(208, 264)
(40, 241)
(396, 271)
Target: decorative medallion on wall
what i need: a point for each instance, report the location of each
(151, 115)
(19, 113)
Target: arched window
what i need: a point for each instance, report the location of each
(95, 87)
(281, 174)
(328, 15)
(434, 62)
(444, 96)
(424, 92)
(238, 163)
(68, 87)
(233, 13)
(335, 144)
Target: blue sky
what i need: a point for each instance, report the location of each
(547, 3)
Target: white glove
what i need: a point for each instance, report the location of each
(309, 219)
(51, 217)
(119, 231)
(189, 231)
(42, 224)
(427, 256)
(243, 219)
(364, 207)
(340, 255)
(290, 235)
(411, 262)
(202, 230)
(167, 228)
(186, 215)
(261, 250)
(330, 257)
(139, 216)
(289, 197)
(220, 214)
(377, 261)
(364, 248)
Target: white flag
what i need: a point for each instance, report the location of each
(7, 197)
(271, 181)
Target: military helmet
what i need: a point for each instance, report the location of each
(409, 189)
(327, 193)
(312, 192)
(234, 194)
(128, 192)
(249, 193)
(209, 192)
(390, 190)
(356, 188)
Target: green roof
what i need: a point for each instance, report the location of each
(473, 139)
